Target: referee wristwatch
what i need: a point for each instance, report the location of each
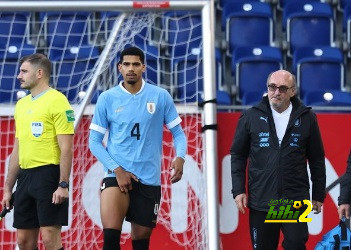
(63, 184)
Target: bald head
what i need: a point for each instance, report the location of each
(283, 73)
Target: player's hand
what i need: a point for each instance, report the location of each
(241, 202)
(177, 167)
(317, 206)
(6, 200)
(60, 195)
(124, 179)
(344, 210)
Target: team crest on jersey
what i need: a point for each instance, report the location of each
(37, 129)
(151, 107)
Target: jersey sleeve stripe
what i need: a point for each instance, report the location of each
(97, 128)
(174, 123)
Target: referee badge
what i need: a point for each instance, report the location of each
(37, 129)
(151, 107)
(70, 115)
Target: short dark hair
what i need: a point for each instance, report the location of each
(38, 60)
(132, 51)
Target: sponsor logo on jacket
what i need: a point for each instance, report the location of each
(264, 139)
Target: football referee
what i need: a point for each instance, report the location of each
(41, 158)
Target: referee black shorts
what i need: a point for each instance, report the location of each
(33, 207)
(144, 202)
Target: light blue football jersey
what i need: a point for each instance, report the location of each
(135, 126)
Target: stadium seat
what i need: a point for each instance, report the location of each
(188, 78)
(222, 3)
(107, 21)
(14, 27)
(308, 24)
(318, 68)
(253, 97)
(71, 68)
(282, 3)
(342, 4)
(152, 73)
(63, 29)
(9, 68)
(183, 32)
(252, 20)
(328, 98)
(251, 67)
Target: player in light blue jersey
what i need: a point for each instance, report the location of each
(133, 113)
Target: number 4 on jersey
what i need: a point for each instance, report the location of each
(135, 131)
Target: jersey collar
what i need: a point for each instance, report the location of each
(40, 94)
(123, 88)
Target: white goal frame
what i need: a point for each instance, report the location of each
(210, 106)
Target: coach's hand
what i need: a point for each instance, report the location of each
(317, 206)
(241, 202)
(124, 179)
(177, 167)
(344, 210)
(60, 195)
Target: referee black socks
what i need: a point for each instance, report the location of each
(111, 239)
(142, 244)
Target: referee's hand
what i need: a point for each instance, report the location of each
(60, 195)
(6, 200)
(177, 167)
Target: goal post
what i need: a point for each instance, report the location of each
(204, 119)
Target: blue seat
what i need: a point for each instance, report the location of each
(188, 77)
(327, 98)
(14, 27)
(67, 28)
(253, 97)
(247, 24)
(9, 68)
(251, 67)
(183, 32)
(342, 4)
(282, 3)
(107, 21)
(308, 24)
(222, 3)
(153, 67)
(318, 68)
(223, 97)
(71, 68)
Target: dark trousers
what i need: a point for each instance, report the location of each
(265, 236)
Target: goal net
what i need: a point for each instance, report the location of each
(84, 48)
